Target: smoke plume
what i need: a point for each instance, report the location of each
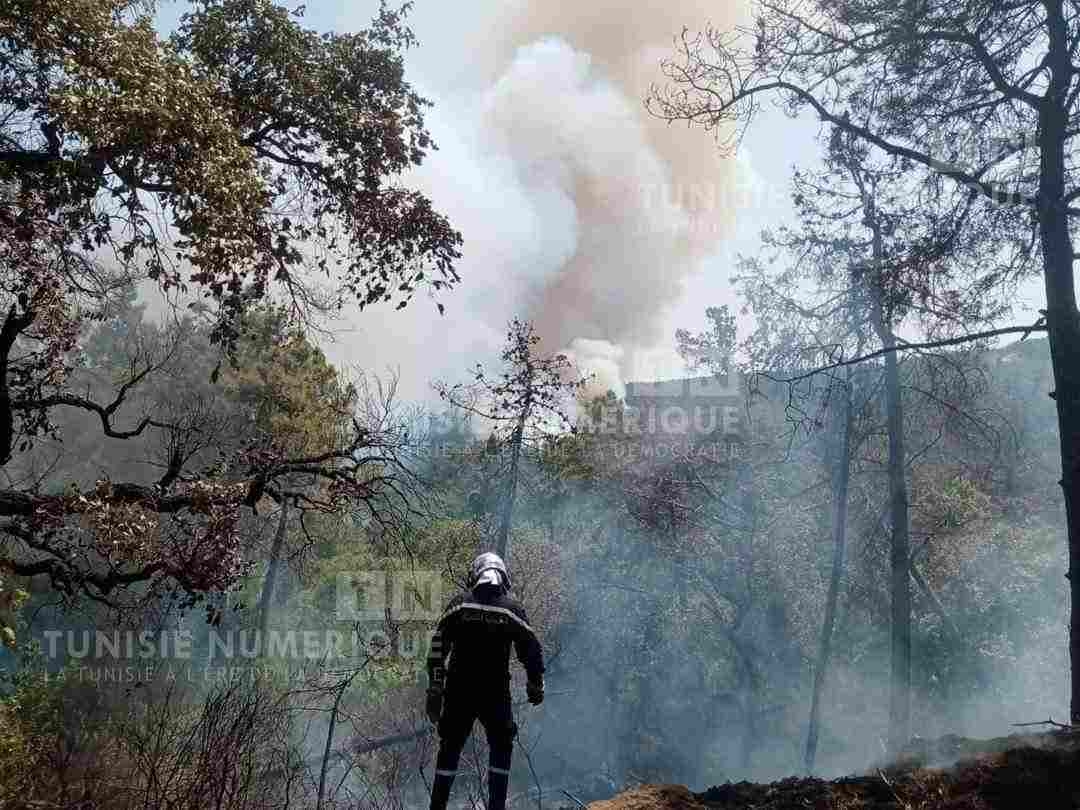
(580, 211)
(646, 199)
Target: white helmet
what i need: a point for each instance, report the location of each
(489, 569)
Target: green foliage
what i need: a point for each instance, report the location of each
(210, 131)
(237, 160)
(962, 501)
(286, 385)
(11, 599)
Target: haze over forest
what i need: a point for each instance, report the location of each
(746, 332)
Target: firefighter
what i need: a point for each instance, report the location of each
(469, 676)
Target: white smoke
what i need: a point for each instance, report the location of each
(574, 137)
(601, 359)
(580, 211)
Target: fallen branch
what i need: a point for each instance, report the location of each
(393, 739)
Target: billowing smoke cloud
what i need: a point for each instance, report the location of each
(573, 136)
(580, 211)
(648, 198)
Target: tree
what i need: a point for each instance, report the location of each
(871, 250)
(981, 95)
(525, 402)
(712, 350)
(279, 162)
(840, 484)
(238, 160)
(294, 398)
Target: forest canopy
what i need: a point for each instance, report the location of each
(241, 159)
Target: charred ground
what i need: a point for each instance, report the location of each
(951, 773)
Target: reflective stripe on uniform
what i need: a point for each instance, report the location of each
(488, 609)
(435, 652)
(440, 772)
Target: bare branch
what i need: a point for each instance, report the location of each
(903, 347)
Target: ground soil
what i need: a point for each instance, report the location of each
(1029, 772)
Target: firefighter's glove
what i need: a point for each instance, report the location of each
(434, 704)
(534, 690)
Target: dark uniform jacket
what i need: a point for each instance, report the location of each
(472, 642)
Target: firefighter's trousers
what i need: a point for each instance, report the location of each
(461, 710)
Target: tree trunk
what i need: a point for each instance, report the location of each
(1066, 372)
(900, 699)
(754, 675)
(900, 544)
(1062, 319)
(751, 732)
(900, 693)
(1064, 332)
(503, 545)
(841, 478)
(267, 595)
(329, 745)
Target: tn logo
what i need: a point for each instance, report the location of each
(400, 596)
